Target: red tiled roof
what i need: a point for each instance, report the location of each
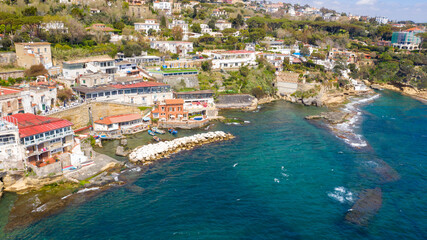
(174, 101)
(30, 124)
(5, 91)
(119, 119)
(140, 84)
(413, 29)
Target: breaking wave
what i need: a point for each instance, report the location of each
(341, 194)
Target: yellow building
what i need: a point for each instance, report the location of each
(28, 54)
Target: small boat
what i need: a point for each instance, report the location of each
(156, 130)
(172, 131)
(151, 133)
(157, 139)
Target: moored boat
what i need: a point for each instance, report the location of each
(151, 133)
(156, 130)
(172, 131)
(157, 139)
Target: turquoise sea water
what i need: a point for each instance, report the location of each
(281, 178)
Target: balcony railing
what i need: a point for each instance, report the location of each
(47, 138)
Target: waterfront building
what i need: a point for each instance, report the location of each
(147, 25)
(118, 123)
(198, 103)
(407, 39)
(170, 110)
(12, 154)
(233, 59)
(33, 53)
(43, 138)
(139, 93)
(176, 47)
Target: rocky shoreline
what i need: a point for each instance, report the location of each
(147, 154)
(418, 94)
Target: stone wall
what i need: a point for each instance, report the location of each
(178, 82)
(52, 168)
(7, 58)
(184, 125)
(79, 116)
(235, 101)
(12, 74)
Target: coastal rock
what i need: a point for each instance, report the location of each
(19, 183)
(120, 151)
(370, 201)
(331, 117)
(124, 142)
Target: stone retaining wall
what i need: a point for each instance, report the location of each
(79, 116)
(184, 125)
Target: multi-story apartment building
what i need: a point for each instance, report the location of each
(42, 98)
(170, 110)
(12, 154)
(138, 10)
(76, 68)
(222, 24)
(43, 137)
(138, 93)
(163, 6)
(233, 59)
(180, 23)
(28, 54)
(407, 39)
(14, 101)
(177, 47)
(95, 79)
(205, 28)
(147, 25)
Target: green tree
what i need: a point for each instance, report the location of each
(206, 66)
(177, 33)
(196, 28)
(30, 11)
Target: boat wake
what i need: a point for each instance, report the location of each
(341, 194)
(346, 130)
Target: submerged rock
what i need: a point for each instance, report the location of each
(370, 201)
(120, 151)
(331, 117)
(124, 142)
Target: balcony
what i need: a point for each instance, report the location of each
(48, 138)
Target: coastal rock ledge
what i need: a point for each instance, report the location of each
(151, 152)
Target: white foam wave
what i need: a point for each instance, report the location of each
(66, 196)
(345, 130)
(276, 180)
(88, 189)
(341, 194)
(234, 165)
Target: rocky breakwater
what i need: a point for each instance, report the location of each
(148, 153)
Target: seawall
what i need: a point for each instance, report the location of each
(148, 153)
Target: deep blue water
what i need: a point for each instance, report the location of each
(279, 179)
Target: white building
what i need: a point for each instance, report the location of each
(147, 25)
(42, 98)
(12, 154)
(76, 68)
(180, 23)
(233, 59)
(291, 11)
(177, 47)
(219, 13)
(118, 123)
(381, 20)
(222, 24)
(140, 93)
(14, 101)
(205, 28)
(163, 6)
(55, 26)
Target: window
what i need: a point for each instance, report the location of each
(9, 104)
(179, 108)
(170, 109)
(163, 108)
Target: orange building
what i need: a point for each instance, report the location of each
(170, 110)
